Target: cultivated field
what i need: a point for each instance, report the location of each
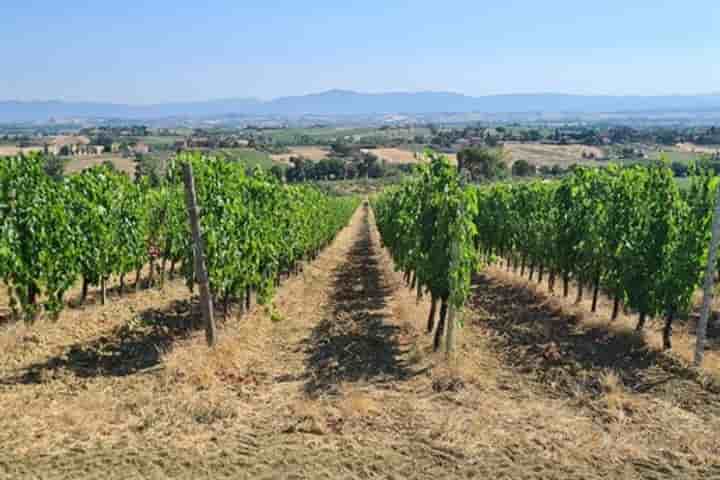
(549, 155)
(312, 153)
(537, 154)
(78, 164)
(704, 149)
(10, 150)
(399, 155)
(327, 135)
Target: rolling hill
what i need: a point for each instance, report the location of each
(345, 102)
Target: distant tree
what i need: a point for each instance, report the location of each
(666, 137)
(55, 166)
(278, 172)
(627, 152)
(105, 140)
(150, 167)
(533, 135)
(341, 149)
(350, 170)
(300, 169)
(367, 165)
(483, 163)
(523, 168)
(333, 168)
(492, 141)
(376, 168)
(109, 165)
(556, 170)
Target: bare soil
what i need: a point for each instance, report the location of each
(10, 150)
(400, 155)
(692, 148)
(549, 155)
(313, 153)
(337, 379)
(80, 163)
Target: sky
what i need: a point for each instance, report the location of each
(157, 51)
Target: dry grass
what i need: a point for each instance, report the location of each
(11, 150)
(310, 152)
(624, 326)
(78, 164)
(692, 148)
(399, 155)
(346, 385)
(536, 154)
(549, 155)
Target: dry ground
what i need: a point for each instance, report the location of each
(399, 155)
(536, 154)
(692, 148)
(337, 380)
(310, 152)
(563, 155)
(78, 164)
(10, 150)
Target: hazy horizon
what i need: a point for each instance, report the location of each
(180, 51)
(396, 92)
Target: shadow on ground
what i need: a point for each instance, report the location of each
(537, 337)
(127, 350)
(114, 291)
(353, 342)
(713, 329)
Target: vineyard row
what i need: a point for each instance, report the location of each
(99, 224)
(629, 232)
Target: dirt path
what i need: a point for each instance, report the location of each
(336, 379)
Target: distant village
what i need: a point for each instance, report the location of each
(118, 141)
(536, 144)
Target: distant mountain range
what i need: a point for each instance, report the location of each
(343, 102)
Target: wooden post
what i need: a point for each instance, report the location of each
(450, 332)
(103, 291)
(201, 275)
(454, 256)
(701, 330)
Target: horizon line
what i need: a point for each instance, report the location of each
(354, 92)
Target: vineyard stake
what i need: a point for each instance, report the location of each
(201, 275)
(454, 258)
(708, 286)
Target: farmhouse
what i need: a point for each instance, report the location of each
(69, 145)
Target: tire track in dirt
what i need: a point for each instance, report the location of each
(356, 341)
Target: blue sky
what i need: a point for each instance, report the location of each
(162, 50)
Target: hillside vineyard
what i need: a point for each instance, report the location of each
(99, 224)
(629, 232)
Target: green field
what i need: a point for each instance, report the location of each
(305, 136)
(675, 156)
(161, 142)
(248, 156)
